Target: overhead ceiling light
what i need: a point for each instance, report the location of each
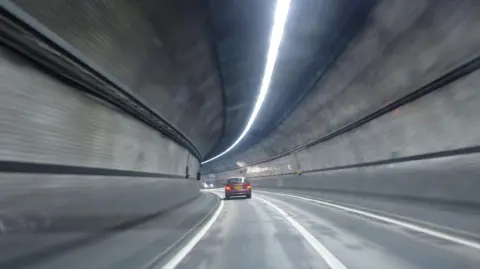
(280, 19)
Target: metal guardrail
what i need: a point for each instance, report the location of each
(61, 63)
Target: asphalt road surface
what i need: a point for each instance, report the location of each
(293, 229)
(272, 230)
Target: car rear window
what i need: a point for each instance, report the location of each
(237, 180)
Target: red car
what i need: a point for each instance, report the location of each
(238, 186)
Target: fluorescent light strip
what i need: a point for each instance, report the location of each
(281, 13)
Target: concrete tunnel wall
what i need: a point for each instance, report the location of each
(48, 129)
(405, 45)
(444, 120)
(159, 51)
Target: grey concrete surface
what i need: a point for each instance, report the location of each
(57, 221)
(443, 120)
(450, 179)
(315, 34)
(361, 242)
(249, 234)
(45, 121)
(403, 46)
(199, 64)
(449, 218)
(94, 222)
(159, 50)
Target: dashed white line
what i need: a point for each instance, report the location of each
(329, 258)
(413, 227)
(175, 260)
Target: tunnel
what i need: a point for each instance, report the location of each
(351, 126)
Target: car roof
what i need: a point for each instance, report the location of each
(241, 179)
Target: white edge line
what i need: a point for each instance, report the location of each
(180, 255)
(329, 258)
(153, 263)
(413, 227)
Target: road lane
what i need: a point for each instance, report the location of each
(253, 234)
(430, 229)
(452, 218)
(250, 234)
(362, 242)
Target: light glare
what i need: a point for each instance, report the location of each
(281, 13)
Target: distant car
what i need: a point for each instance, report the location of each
(238, 186)
(206, 185)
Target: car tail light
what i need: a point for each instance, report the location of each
(227, 187)
(248, 186)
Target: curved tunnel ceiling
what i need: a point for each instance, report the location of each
(199, 64)
(316, 33)
(159, 50)
(241, 31)
(385, 61)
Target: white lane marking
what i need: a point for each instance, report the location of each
(180, 255)
(413, 227)
(329, 258)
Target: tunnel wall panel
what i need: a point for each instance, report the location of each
(43, 216)
(451, 180)
(48, 123)
(113, 200)
(45, 121)
(404, 46)
(159, 51)
(440, 121)
(444, 120)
